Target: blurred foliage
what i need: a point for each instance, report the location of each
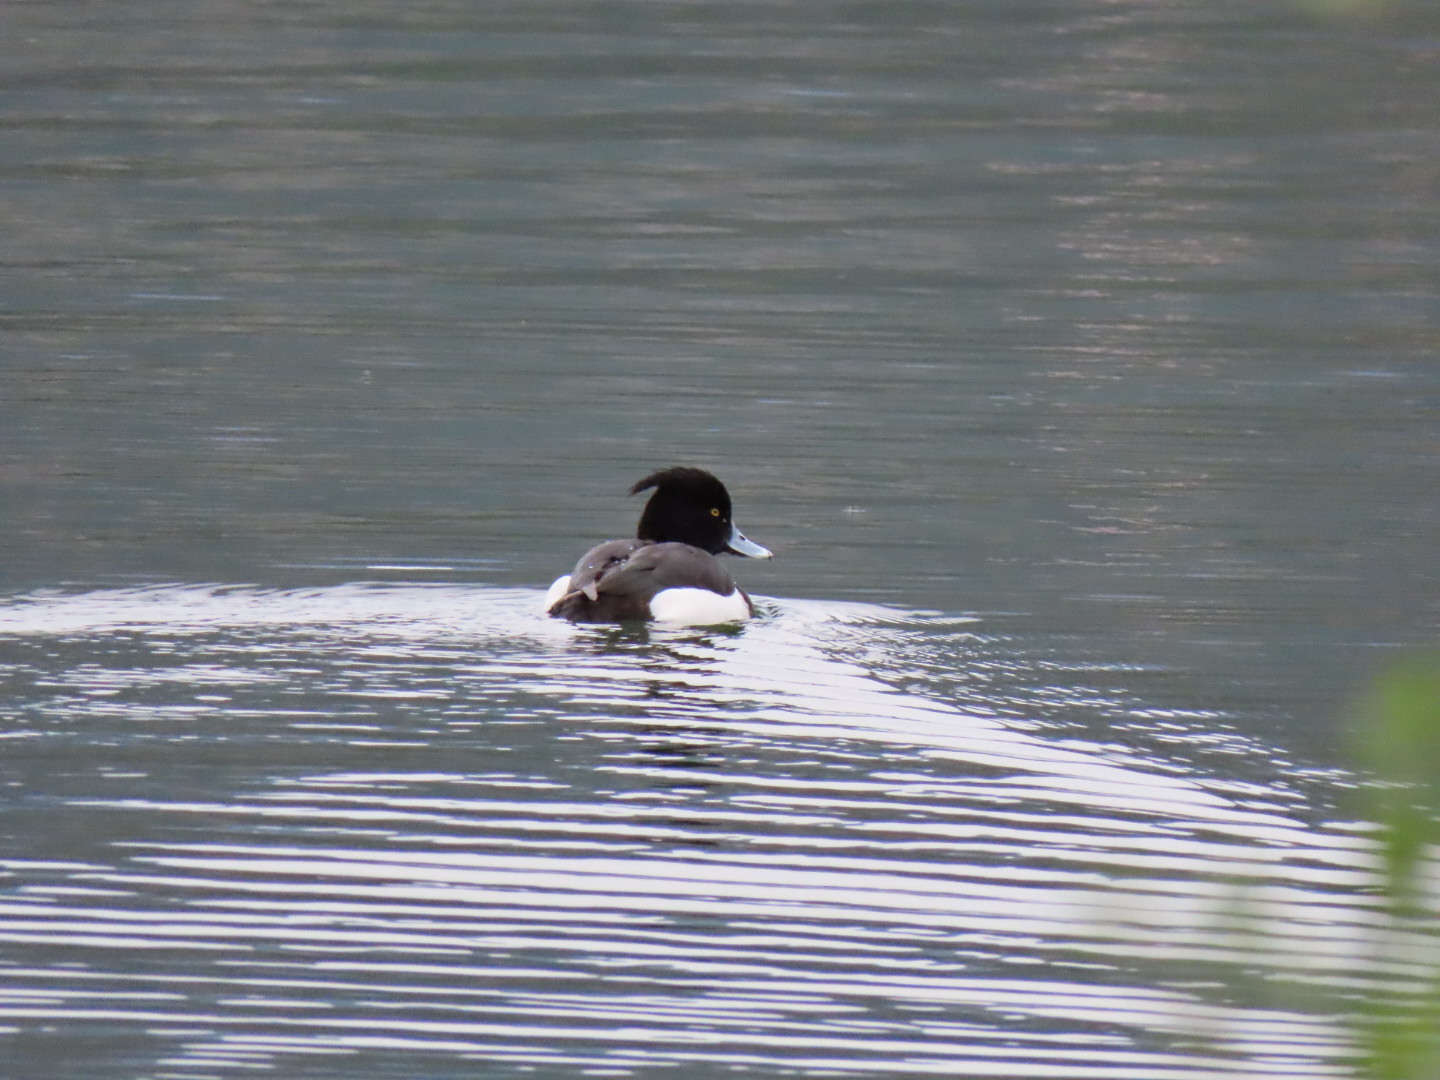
(1399, 733)
(1400, 746)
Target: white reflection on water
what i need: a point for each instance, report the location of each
(428, 819)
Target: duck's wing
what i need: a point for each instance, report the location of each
(618, 578)
(671, 566)
(600, 561)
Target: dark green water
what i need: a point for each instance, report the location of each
(1078, 361)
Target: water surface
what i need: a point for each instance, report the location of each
(1076, 359)
(390, 821)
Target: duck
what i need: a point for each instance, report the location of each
(669, 573)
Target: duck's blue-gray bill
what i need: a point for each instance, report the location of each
(738, 545)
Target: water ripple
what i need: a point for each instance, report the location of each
(426, 819)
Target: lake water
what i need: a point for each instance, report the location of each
(1077, 360)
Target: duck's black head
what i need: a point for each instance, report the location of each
(692, 507)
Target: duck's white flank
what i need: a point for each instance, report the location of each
(559, 589)
(698, 607)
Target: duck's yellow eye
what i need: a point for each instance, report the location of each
(714, 511)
